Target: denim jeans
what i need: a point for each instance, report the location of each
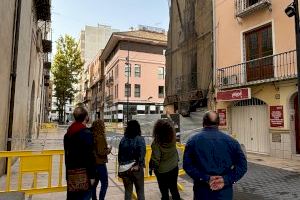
(136, 179)
(79, 195)
(102, 176)
(168, 182)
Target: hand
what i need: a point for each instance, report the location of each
(135, 168)
(92, 182)
(216, 183)
(108, 150)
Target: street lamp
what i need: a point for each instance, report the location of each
(128, 73)
(293, 11)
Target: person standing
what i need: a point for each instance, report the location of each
(164, 159)
(131, 157)
(214, 160)
(79, 157)
(101, 151)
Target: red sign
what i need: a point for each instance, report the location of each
(234, 95)
(276, 117)
(222, 117)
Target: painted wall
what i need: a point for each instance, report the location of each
(229, 30)
(149, 75)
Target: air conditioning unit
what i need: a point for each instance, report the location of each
(229, 80)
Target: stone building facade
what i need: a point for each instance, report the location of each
(24, 69)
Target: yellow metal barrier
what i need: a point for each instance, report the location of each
(50, 163)
(48, 126)
(34, 163)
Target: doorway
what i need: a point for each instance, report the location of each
(250, 125)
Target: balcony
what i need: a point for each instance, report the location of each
(267, 69)
(47, 82)
(246, 7)
(109, 98)
(43, 10)
(110, 81)
(47, 46)
(47, 65)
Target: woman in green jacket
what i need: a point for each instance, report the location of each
(164, 159)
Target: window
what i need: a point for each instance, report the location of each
(117, 71)
(137, 71)
(251, 2)
(127, 90)
(137, 90)
(116, 91)
(127, 71)
(161, 92)
(259, 48)
(161, 73)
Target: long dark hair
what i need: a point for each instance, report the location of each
(133, 129)
(164, 132)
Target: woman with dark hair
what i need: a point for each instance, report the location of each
(131, 157)
(101, 150)
(164, 159)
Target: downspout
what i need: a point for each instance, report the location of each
(13, 74)
(214, 53)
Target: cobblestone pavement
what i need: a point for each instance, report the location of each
(267, 183)
(260, 183)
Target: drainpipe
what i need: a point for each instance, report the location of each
(13, 74)
(214, 50)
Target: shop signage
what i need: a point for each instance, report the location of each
(222, 117)
(276, 117)
(234, 95)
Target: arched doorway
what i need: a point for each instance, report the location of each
(250, 125)
(31, 112)
(297, 125)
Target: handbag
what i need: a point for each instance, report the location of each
(77, 180)
(125, 169)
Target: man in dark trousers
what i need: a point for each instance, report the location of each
(79, 157)
(214, 160)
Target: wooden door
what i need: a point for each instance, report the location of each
(297, 125)
(259, 45)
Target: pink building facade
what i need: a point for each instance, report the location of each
(142, 84)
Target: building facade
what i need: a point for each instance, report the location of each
(134, 73)
(92, 40)
(255, 75)
(24, 70)
(97, 87)
(189, 56)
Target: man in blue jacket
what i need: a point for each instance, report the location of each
(214, 160)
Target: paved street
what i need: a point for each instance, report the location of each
(260, 183)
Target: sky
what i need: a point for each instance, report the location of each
(70, 16)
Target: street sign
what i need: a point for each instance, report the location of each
(276, 117)
(222, 117)
(234, 95)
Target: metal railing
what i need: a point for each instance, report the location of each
(34, 165)
(270, 68)
(245, 7)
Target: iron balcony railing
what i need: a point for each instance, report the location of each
(246, 7)
(270, 68)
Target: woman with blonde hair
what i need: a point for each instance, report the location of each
(101, 150)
